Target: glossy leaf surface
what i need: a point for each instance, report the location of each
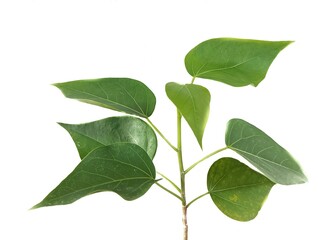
(237, 190)
(237, 62)
(104, 132)
(193, 102)
(123, 168)
(119, 94)
(263, 152)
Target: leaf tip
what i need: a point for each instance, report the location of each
(61, 124)
(39, 205)
(255, 84)
(286, 43)
(304, 178)
(199, 140)
(55, 85)
(200, 144)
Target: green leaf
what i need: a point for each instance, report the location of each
(263, 152)
(237, 190)
(119, 94)
(193, 102)
(104, 132)
(237, 62)
(123, 168)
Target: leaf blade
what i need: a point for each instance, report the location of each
(193, 101)
(104, 132)
(236, 62)
(238, 191)
(123, 168)
(120, 94)
(263, 152)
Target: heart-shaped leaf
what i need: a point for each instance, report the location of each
(104, 132)
(263, 152)
(237, 62)
(193, 102)
(237, 190)
(123, 168)
(119, 94)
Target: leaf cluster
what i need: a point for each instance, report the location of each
(117, 153)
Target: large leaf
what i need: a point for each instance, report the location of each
(89, 136)
(120, 94)
(237, 62)
(237, 190)
(193, 101)
(123, 168)
(263, 152)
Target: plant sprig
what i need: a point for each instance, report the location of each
(117, 153)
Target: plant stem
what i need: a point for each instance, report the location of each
(184, 222)
(204, 158)
(169, 191)
(197, 198)
(182, 178)
(170, 181)
(161, 135)
(192, 81)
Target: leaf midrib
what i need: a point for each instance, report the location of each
(237, 187)
(106, 99)
(227, 200)
(198, 74)
(101, 184)
(129, 94)
(103, 144)
(128, 164)
(193, 106)
(264, 159)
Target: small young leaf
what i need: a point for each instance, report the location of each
(237, 190)
(263, 152)
(89, 136)
(123, 168)
(193, 102)
(119, 94)
(237, 62)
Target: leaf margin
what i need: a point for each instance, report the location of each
(193, 121)
(268, 184)
(46, 201)
(195, 74)
(65, 88)
(121, 121)
(300, 175)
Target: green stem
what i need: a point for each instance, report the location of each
(170, 181)
(182, 178)
(192, 81)
(161, 135)
(169, 191)
(204, 158)
(180, 161)
(197, 198)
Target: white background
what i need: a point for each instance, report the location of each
(43, 42)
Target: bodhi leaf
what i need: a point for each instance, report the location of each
(89, 136)
(123, 168)
(237, 190)
(119, 94)
(237, 62)
(193, 102)
(263, 152)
